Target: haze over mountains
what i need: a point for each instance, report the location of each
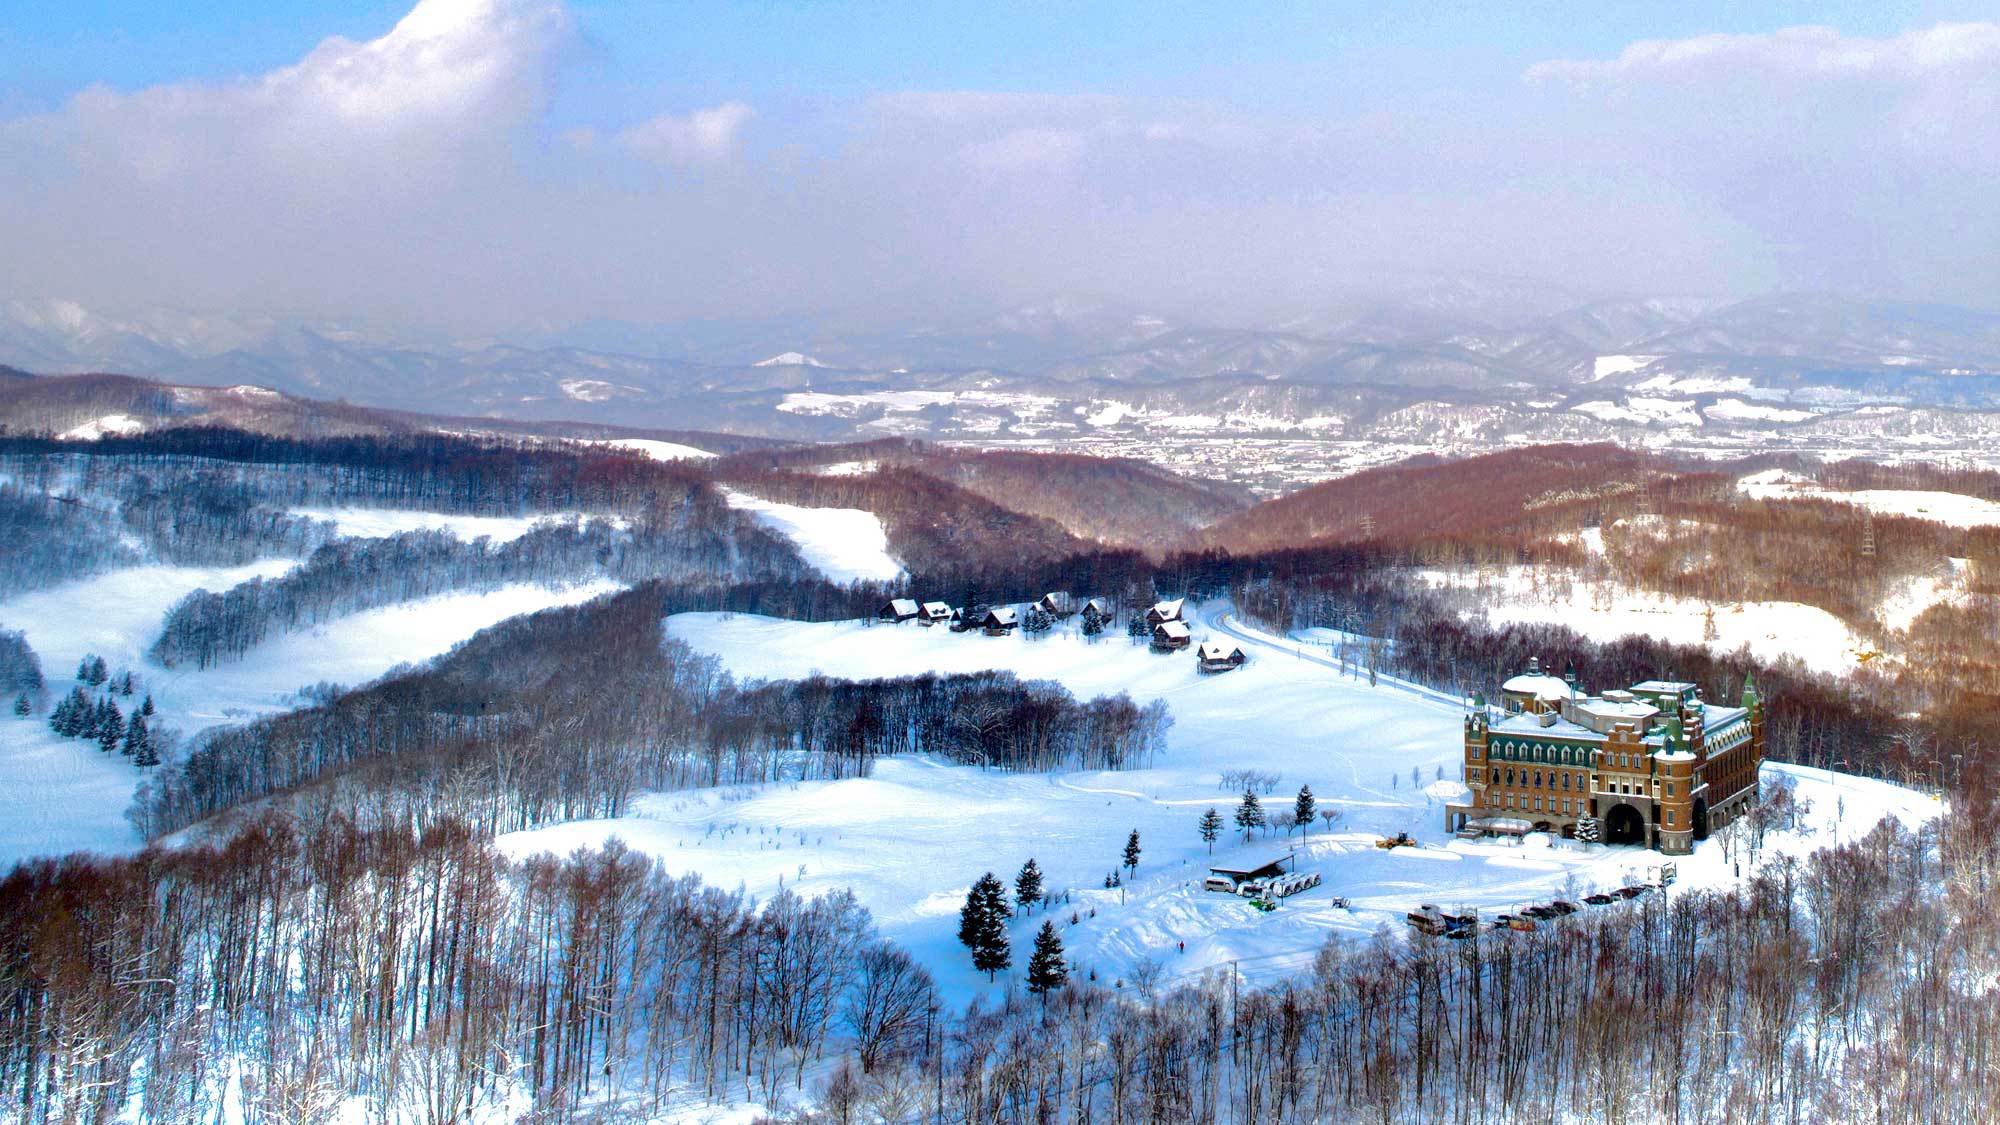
(1085, 367)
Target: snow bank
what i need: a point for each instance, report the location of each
(98, 427)
(845, 544)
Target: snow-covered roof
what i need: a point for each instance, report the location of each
(1173, 630)
(1674, 686)
(1219, 650)
(1556, 727)
(1102, 605)
(1250, 864)
(1170, 609)
(1540, 687)
(1005, 615)
(936, 609)
(903, 607)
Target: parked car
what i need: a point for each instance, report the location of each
(1599, 899)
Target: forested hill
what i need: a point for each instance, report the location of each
(1114, 500)
(91, 405)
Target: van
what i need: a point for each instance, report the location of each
(1221, 883)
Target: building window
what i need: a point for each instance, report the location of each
(1670, 816)
(1670, 788)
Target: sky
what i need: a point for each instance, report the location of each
(514, 166)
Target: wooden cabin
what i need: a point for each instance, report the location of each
(897, 610)
(1163, 612)
(1000, 622)
(1171, 636)
(934, 613)
(1101, 605)
(1058, 604)
(1219, 656)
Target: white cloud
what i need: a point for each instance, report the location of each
(1810, 54)
(702, 136)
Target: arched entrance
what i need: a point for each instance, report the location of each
(1701, 818)
(1624, 825)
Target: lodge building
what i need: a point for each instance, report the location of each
(1655, 764)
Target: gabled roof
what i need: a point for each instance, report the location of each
(1168, 609)
(1173, 630)
(902, 607)
(1219, 650)
(1101, 605)
(936, 609)
(1005, 615)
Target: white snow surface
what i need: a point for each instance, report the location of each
(845, 544)
(789, 359)
(380, 523)
(1607, 612)
(1952, 508)
(69, 796)
(98, 427)
(910, 839)
(657, 450)
(1605, 366)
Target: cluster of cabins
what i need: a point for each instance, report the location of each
(1165, 620)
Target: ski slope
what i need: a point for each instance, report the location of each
(64, 795)
(910, 839)
(845, 544)
(1950, 508)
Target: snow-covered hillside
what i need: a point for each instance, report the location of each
(69, 796)
(911, 838)
(657, 450)
(845, 544)
(1941, 507)
(1607, 611)
(377, 523)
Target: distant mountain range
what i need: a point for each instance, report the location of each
(1468, 363)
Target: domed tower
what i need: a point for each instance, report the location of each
(1676, 761)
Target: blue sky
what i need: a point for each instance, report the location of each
(486, 164)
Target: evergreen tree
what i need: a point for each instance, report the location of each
(1211, 827)
(110, 728)
(1132, 852)
(146, 708)
(125, 684)
(1028, 885)
(1136, 627)
(1249, 814)
(83, 670)
(135, 735)
(148, 753)
(1037, 621)
(1302, 810)
(1093, 621)
(22, 708)
(1046, 968)
(99, 672)
(984, 921)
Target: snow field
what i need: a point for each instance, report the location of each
(1949, 508)
(657, 450)
(380, 523)
(845, 544)
(1607, 612)
(70, 796)
(910, 839)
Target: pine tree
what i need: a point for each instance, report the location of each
(148, 754)
(146, 708)
(985, 922)
(1028, 885)
(1037, 621)
(1249, 814)
(1136, 627)
(1046, 968)
(110, 728)
(1211, 827)
(83, 670)
(135, 735)
(1132, 852)
(99, 672)
(1302, 810)
(1093, 621)
(22, 708)
(125, 684)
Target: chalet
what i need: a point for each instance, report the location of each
(932, 613)
(1058, 604)
(1101, 605)
(1000, 622)
(1219, 656)
(1655, 764)
(1171, 636)
(898, 609)
(1163, 612)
